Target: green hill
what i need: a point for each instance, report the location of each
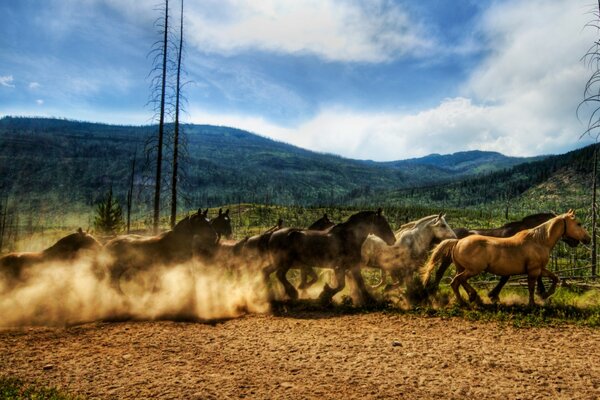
(54, 163)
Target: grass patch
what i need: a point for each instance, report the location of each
(16, 389)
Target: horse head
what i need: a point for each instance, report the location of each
(381, 228)
(222, 224)
(573, 228)
(440, 228)
(321, 224)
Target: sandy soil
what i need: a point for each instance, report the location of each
(308, 355)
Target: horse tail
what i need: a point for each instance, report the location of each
(442, 252)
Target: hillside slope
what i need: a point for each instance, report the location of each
(54, 162)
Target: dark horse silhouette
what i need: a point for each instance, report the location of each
(192, 236)
(507, 230)
(321, 224)
(222, 224)
(13, 266)
(337, 247)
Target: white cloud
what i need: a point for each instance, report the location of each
(39, 102)
(34, 85)
(7, 80)
(521, 100)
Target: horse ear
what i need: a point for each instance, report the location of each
(200, 211)
(220, 211)
(325, 216)
(227, 212)
(280, 222)
(379, 211)
(80, 231)
(205, 213)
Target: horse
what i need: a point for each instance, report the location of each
(222, 224)
(337, 248)
(526, 252)
(321, 224)
(14, 266)
(192, 236)
(506, 230)
(413, 242)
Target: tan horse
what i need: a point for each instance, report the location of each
(527, 252)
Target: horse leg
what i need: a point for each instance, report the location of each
(494, 294)
(455, 285)
(328, 292)
(473, 295)
(305, 271)
(396, 281)
(439, 274)
(552, 289)
(541, 289)
(290, 290)
(531, 279)
(360, 283)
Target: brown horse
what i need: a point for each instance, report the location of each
(526, 252)
(506, 230)
(14, 266)
(337, 248)
(222, 224)
(321, 224)
(192, 236)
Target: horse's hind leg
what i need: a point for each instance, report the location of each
(328, 292)
(544, 295)
(360, 283)
(494, 294)
(455, 285)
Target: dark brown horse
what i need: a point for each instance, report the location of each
(14, 266)
(321, 224)
(255, 248)
(507, 230)
(192, 236)
(337, 248)
(222, 224)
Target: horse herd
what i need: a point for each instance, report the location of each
(418, 248)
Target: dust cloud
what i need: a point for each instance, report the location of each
(58, 294)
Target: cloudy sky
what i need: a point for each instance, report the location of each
(375, 79)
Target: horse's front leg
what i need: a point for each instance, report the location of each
(531, 279)
(305, 271)
(360, 283)
(290, 290)
(544, 295)
(328, 292)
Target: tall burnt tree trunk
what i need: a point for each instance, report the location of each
(130, 192)
(594, 211)
(161, 123)
(176, 131)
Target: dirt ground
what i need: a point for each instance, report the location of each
(308, 355)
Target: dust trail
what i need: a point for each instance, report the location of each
(56, 294)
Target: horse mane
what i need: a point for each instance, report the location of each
(516, 224)
(414, 224)
(541, 233)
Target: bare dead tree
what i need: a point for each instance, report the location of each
(161, 122)
(176, 127)
(130, 191)
(592, 97)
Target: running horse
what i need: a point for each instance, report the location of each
(506, 230)
(526, 252)
(337, 248)
(192, 236)
(14, 266)
(414, 240)
(321, 224)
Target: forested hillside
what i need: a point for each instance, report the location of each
(52, 163)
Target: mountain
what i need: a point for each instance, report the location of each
(54, 163)
(553, 182)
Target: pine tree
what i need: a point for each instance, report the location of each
(109, 215)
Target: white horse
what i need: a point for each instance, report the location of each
(414, 240)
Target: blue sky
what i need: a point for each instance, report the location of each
(376, 79)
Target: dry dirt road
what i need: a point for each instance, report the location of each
(309, 355)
